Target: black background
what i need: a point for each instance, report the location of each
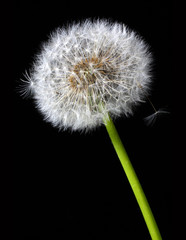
(69, 185)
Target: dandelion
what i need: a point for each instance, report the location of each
(89, 73)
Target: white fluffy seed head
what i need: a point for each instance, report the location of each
(88, 70)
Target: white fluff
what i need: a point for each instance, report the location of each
(88, 70)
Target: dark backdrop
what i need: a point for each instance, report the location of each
(71, 185)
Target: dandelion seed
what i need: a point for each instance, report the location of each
(150, 120)
(25, 89)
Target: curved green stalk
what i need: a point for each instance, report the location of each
(133, 179)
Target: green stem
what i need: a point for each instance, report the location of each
(133, 180)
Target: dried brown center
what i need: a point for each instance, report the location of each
(86, 72)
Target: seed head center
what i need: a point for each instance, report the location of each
(85, 73)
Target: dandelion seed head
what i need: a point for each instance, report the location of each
(88, 70)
